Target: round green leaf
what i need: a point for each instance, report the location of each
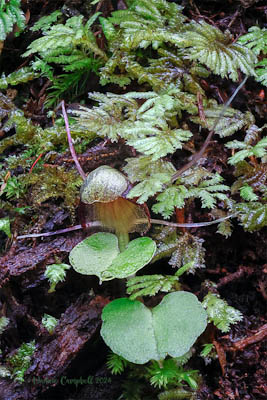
(94, 254)
(128, 329)
(139, 334)
(178, 321)
(137, 254)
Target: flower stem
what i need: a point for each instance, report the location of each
(123, 239)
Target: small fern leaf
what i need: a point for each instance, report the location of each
(172, 197)
(161, 144)
(22, 75)
(217, 51)
(261, 72)
(255, 40)
(252, 215)
(149, 187)
(231, 121)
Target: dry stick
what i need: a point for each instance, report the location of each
(261, 334)
(72, 150)
(198, 155)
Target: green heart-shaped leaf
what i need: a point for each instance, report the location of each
(99, 255)
(94, 254)
(137, 254)
(139, 334)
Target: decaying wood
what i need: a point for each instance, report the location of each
(77, 328)
(27, 259)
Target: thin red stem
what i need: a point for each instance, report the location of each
(35, 162)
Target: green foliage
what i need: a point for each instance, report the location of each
(207, 349)
(256, 40)
(220, 313)
(3, 324)
(246, 150)
(99, 255)
(225, 228)
(32, 136)
(149, 285)
(116, 363)
(216, 50)
(252, 215)
(55, 273)
(10, 14)
(160, 25)
(184, 249)
(48, 321)
(15, 188)
(147, 128)
(138, 333)
(169, 373)
(54, 183)
(44, 23)
(230, 122)
(5, 227)
(246, 192)
(194, 183)
(21, 360)
(72, 46)
(22, 75)
(261, 71)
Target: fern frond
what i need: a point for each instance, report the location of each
(149, 285)
(195, 183)
(217, 51)
(231, 121)
(170, 198)
(255, 40)
(10, 14)
(22, 75)
(142, 167)
(161, 143)
(252, 215)
(258, 151)
(184, 250)
(261, 72)
(253, 175)
(220, 313)
(149, 187)
(44, 23)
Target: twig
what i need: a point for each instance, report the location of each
(72, 149)
(242, 270)
(221, 355)
(198, 155)
(257, 337)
